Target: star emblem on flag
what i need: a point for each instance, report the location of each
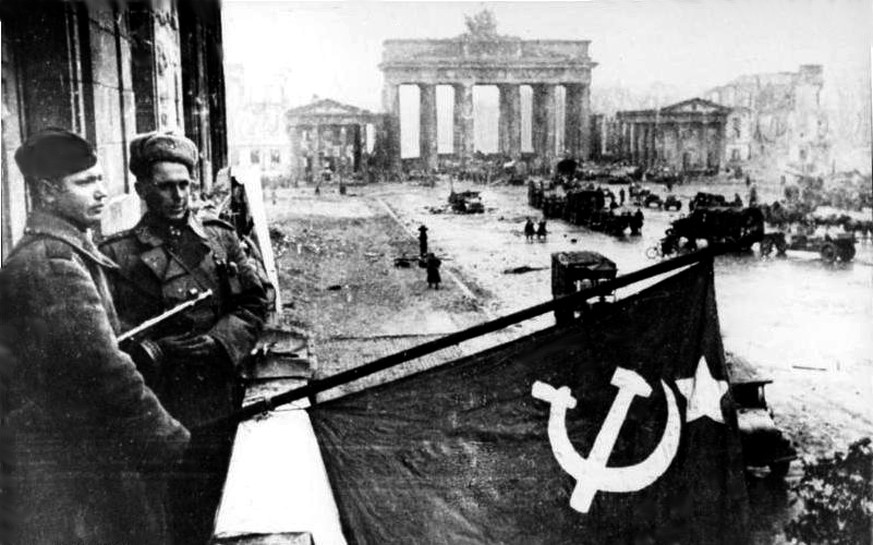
(703, 393)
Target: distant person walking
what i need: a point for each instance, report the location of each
(432, 264)
(621, 196)
(529, 230)
(422, 241)
(541, 230)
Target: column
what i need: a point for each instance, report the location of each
(573, 120)
(646, 136)
(502, 120)
(343, 167)
(544, 122)
(585, 125)
(510, 120)
(428, 126)
(363, 155)
(294, 134)
(391, 129)
(316, 153)
(463, 116)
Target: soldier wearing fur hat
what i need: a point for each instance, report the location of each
(192, 362)
(87, 427)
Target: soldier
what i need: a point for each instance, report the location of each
(529, 230)
(637, 223)
(88, 428)
(541, 230)
(422, 241)
(169, 256)
(432, 264)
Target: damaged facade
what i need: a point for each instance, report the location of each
(255, 112)
(329, 135)
(686, 137)
(109, 70)
(777, 119)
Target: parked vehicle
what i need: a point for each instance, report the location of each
(466, 202)
(763, 443)
(588, 207)
(742, 227)
(711, 200)
(831, 247)
(671, 202)
(573, 271)
(652, 200)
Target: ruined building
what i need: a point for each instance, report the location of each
(777, 120)
(255, 121)
(329, 135)
(482, 57)
(686, 137)
(109, 70)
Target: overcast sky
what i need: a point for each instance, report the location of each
(333, 49)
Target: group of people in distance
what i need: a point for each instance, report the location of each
(539, 231)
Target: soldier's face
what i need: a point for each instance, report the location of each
(78, 197)
(168, 192)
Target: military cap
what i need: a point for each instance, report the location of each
(149, 148)
(53, 153)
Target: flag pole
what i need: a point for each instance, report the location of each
(572, 300)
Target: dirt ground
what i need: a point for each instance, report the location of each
(336, 263)
(804, 324)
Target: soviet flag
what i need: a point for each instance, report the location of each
(617, 429)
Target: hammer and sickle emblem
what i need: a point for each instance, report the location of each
(591, 473)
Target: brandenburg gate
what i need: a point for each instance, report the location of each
(482, 57)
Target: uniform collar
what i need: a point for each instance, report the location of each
(42, 223)
(152, 230)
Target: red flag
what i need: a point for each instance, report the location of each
(616, 430)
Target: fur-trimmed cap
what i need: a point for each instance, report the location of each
(53, 153)
(152, 147)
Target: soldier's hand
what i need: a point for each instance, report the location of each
(189, 346)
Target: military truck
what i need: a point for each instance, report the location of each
(835, 247)
(574, 271)
(720, 225)
(466, 202)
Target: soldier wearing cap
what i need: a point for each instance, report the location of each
(192, 362)
(87, 427)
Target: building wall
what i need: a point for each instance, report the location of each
(788, 126)
(107, 70)
(256, 128)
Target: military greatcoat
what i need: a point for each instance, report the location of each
(162, 266)
(86, 427)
